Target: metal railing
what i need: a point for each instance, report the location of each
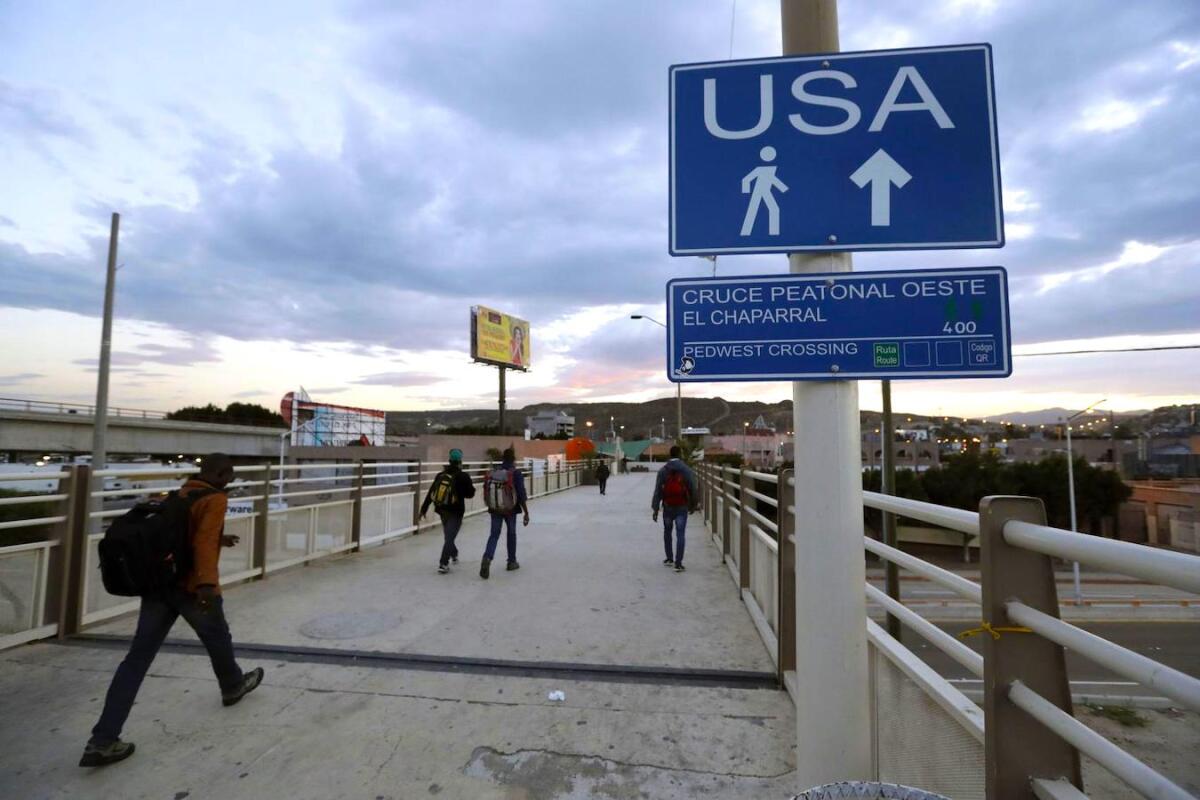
(1028, 740)
(284, 517)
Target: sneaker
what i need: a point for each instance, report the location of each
(679, 567)
(98, 755)
(668, 562)
(512, 565)
(250, 682)
(443, 569)
(485, 567)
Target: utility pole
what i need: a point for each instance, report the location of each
(887, 443)
(831, 613)
(502, 371)
(100, 419)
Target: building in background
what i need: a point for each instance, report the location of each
(315, 424)
(550, 424)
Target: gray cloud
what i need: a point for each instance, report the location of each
(516, 157)
(398, 379)
(19, 377)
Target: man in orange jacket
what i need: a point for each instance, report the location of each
(198, 600)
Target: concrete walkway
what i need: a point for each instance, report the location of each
(591, 591)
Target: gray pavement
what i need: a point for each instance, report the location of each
(591, 591)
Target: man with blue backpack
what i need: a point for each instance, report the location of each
(167, 552)
(504, 491)
(448, 493)
(675, 490)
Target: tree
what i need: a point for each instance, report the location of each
(233, 414)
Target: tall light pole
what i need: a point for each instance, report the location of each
(678, 385)
(1071, 485)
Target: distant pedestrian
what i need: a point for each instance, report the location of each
(448, 493)
(504, 491)
(675, 490)
(196, 596)
(602, 473)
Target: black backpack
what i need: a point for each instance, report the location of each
(147, 550)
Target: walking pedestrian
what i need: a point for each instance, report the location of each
(448, 493)
(196, 598)
(602, 473)
(504, 491)
(675, 490)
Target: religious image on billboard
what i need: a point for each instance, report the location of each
(499, 339)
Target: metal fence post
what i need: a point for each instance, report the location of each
(1018, 747)
(727, 517)
(356, 508)
(744, 532)
(787, 577)
(262, 524)
(416, 509)
(74, 551)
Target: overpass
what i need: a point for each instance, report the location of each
(30, 427)
(385, 679)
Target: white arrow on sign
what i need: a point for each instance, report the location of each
(881, 171)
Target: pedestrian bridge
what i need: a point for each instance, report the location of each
(385, 679)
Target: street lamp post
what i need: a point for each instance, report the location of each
(678, 385)
(1071, 485)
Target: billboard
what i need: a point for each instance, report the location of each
(325, 425)
(499, 339)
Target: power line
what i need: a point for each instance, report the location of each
(1121, 350)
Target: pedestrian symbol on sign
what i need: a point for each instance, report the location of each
(760, 183)
(686, 365)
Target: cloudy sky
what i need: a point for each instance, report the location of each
(314, 193)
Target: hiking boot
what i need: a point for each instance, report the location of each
(98, 755)
(443, 569)
(250, 682)
(679, 567)
(485, 567)
(668, 562)
(512, 565)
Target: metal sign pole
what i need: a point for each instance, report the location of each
(501, 430)
(100, 419)
(831, 613)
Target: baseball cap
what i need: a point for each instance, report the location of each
(456, 455)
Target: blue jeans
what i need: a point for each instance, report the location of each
(510, 521)
(677, 518)
(451, 523)
(155, 619)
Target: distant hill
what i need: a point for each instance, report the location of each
(726, 416)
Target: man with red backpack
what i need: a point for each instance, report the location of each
(675, 490)
(448, 493)
(504, 492)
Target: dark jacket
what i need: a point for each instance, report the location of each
(674, 465)
(602, 471)
(463, 490)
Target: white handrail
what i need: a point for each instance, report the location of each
(1177, 570)
(765, 538)
(763, 476)
(943, 641)
(33, 498)
(31, 476)
(1146, 671)
(30, 523)
(943, 577)
(1133, 772)
(771, 501)
(953, 518)
(771, 526)
(1059, 789)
